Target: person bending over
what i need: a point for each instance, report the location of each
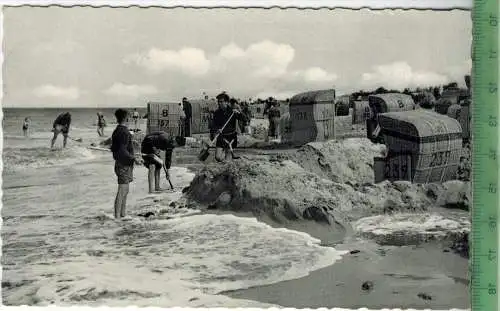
(61, 125)
(151, 146)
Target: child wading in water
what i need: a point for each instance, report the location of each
(123, 154)
(101, 123)
(26, 126)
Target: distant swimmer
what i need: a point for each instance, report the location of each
(26, 126)
(101, 124)
(135, 116)
(150, 150)
(123, 154)
(61, 125)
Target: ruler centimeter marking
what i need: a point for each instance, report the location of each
(485, 177)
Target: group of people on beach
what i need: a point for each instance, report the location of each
(223, 131)
(223, 125)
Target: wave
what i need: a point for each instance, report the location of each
(174, 259)
(43, 156)
(180, 262)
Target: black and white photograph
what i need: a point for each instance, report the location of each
(249, 157)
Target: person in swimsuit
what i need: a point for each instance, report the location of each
(61, 125)
(151, 146)
(26, 126)
(101, 124)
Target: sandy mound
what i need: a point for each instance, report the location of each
(337, 189)
(345, 161)
(286, 191)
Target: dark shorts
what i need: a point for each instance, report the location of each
(231, 137)
(61, 129)
(25, 128)
(149, 160)
(124, 173)
(147, 149)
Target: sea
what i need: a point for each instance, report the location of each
(61, 244)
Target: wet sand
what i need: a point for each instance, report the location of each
(402, 277)
(425, 276)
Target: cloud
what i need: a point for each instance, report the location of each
(400, 75)
(130, 90)
(263, 69)
(262, 66)
(315, 75)
(191, 61)
(456, 73)
(48, 90)
(265, 59)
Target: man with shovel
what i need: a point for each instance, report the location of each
(224, 121)
(151, 146)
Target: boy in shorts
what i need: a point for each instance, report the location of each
(151, 146)
(123, 154)
(61, 125)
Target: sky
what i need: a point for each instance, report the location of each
(112, 57)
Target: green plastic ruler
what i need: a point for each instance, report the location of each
(485, 118)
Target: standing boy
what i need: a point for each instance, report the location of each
(123, 154)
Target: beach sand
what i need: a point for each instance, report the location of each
(425, 276)
(429, 275)
(70, 252)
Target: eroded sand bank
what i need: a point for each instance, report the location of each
(400, 233)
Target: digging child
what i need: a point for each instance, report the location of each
(228, 136)
(151, 146)
(61, 125)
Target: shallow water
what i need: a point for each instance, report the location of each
(61, 245)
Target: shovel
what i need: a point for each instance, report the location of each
(166, 173)
(204, 153)
(159, 161)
